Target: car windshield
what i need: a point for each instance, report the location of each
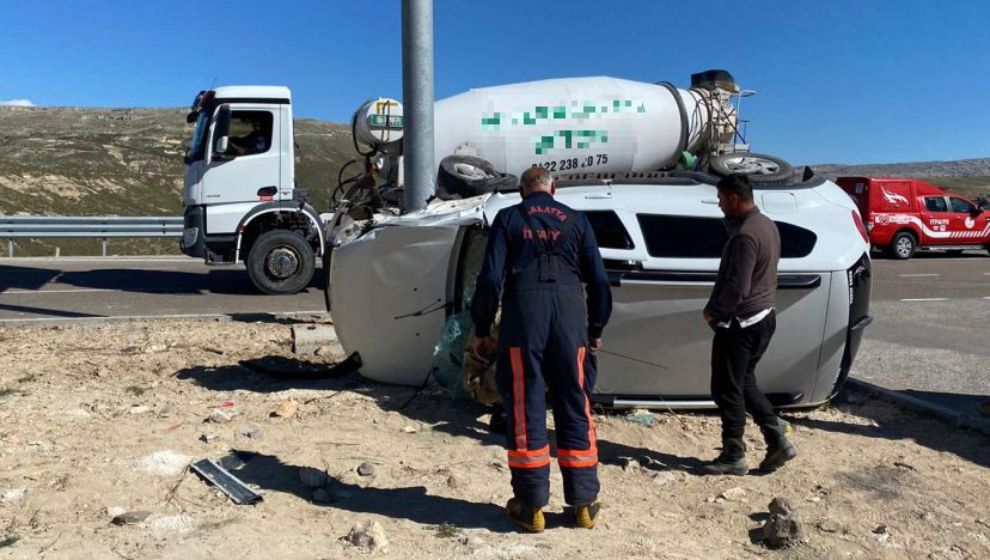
(195, 152)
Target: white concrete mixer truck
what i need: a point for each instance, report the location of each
(241, 204)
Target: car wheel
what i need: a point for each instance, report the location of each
(903, 246)
(760, 168)
(281, 262)
(467, 176)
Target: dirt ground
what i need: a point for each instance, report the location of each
(96, 420)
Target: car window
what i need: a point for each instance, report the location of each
(609, 231)
(250, 132)
(961, 205)
(693, 238)
(936, 204)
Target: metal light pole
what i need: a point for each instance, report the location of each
(417, 98)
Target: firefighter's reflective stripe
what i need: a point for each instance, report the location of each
(530, 459)
(518, 396)
(577, 458)
(592, 432)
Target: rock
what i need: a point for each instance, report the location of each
(285, 409)
(114, 511)
(167, 410)
(366, 469)
(322, 496)
(164, 463)
(368, 535)
(313, 478)
(629, 464)
(927, 516)
(781, 506)
(829, 525)
(209, 438)
(781, 531)
(219, 417)
(409, 429)
(14, 495)
(139, 409)
(456, 482)
(251, 433)
(735, 494)
(155, 348)
(130, 517)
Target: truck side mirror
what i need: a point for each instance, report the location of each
(221, 133)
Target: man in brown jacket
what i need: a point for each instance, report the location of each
(741, 312)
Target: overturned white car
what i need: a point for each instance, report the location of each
(394, 288)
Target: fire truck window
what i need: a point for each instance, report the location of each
(250, 132)
(936, 204)
(960, 205)
(703, 238)
(609, 231)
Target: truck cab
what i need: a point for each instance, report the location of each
(904, 215)
(239, 192)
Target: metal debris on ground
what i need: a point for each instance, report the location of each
(232, 486)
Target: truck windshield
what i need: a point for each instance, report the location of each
(197, 145)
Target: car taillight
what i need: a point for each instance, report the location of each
(859, 226)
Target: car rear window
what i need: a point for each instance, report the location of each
(609, 231)
(688, 237)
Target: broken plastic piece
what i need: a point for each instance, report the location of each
(232, 486)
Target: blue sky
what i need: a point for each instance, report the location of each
(840, 81)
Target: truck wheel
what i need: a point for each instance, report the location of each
(467, 176)
(280, 262)
(760, 168)
(903, 246)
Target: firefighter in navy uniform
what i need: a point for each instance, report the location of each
(541, 251)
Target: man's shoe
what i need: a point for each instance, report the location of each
(526, 518)
(779, 450)
(732, 460)
(585, 516)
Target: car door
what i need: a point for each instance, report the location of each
(936, 219)
(966, 223)
(250, 165)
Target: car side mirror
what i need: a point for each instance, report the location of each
(221, 133)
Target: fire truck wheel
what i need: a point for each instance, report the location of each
(466, 176)
(903, 246)
(281, 262)
(760, 168)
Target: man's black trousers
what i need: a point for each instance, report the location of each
(735, 353)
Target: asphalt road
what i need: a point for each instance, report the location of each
(930, 337)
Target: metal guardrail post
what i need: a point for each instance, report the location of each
(10, 248)
(104, 245)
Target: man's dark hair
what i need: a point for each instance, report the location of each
(736, 183)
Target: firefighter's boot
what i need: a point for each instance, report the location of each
(779, 450)
(585, 516)
(732, 459)
(526, 518)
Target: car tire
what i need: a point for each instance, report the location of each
(760, 168)
(466, 176)
(903, 246)
(281, 262)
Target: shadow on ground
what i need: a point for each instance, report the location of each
(412, 503)
(895, 424)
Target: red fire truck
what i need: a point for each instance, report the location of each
(903, 215)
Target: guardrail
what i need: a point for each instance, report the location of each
(97, 227)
